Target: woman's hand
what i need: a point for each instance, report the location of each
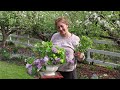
(80, 56)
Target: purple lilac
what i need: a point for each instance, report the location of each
(46, 58)
(37, 61)
(28, 65)
(42, 62)
(57, 59)
(39, 66)
(54, 50)
(54, 62)
(30, 70)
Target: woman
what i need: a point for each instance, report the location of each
(69, 42)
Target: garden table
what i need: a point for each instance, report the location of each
(56, 76)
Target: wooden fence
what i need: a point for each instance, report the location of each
(114, 54)
(16, 39)
(89, 59)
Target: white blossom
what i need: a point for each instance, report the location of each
(95, 15)
(112, 29)
(102, 22)
(118, 23)
(90, 12)
(105, 75)
(109, 16)
(98, 18)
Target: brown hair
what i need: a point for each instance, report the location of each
(61, 19)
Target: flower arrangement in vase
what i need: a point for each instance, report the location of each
(47, 58)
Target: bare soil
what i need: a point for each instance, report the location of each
(86, 71)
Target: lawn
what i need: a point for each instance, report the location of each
(9, 70)
(13, 71)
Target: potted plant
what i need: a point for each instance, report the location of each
(84, 45)
(47, 58)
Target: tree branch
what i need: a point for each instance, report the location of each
(115, 39)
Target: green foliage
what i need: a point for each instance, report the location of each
(10, 43)
(4, 53)
(30, 60)
(117, 67)
(81, 23)
(109, 67)
(46, 49)
(85, 43)
(43, 21)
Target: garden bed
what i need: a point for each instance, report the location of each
(86, 71)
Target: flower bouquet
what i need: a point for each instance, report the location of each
(46, 55)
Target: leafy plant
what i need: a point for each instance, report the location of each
(85, 43)
(5, 54)
(45, 54)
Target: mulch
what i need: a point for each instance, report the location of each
(86, 71)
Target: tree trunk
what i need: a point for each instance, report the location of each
(3, 44)
(5, 36)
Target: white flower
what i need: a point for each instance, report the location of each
(105, 75)
(102, 22)
(118, 23)
(90, 12)
(109, 16)
(112, 29)
(25, 60)
(95, 15)
(98, 18)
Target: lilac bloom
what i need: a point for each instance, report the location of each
(39, 66)
(54, 62)
(37, 61)
(54, 50)
(57, 59)
(42, 62)
(28, 65)
(30, 71)
(46, 58)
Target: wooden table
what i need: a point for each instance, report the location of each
(56, 76)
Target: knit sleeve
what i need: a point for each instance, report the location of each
(76, 41)
(53, 37)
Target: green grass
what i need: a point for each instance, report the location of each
(12, 71)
